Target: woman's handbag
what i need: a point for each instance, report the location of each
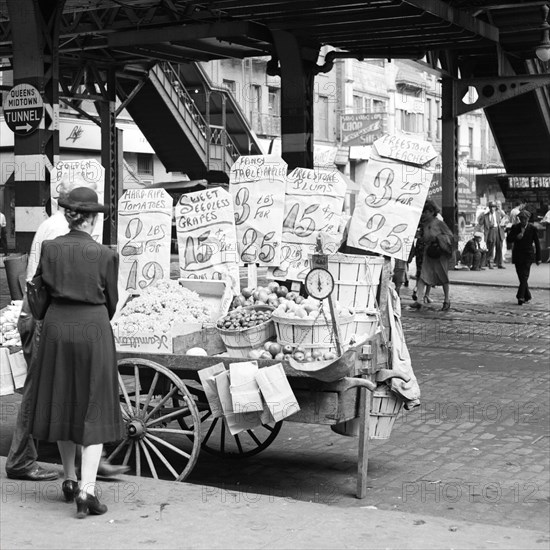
(38, 297)
(434, 250)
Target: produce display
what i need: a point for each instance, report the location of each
(162, 304)
(243, 318)
(274, 350)
(9, 335)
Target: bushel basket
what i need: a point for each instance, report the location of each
(313, 334)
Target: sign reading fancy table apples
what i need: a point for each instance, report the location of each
(206, 236)
(392, 196)
(257, 184)
(313, 203)
(144, 234)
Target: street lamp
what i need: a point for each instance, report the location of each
(543, 49)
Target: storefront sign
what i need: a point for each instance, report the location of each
(314, 202)
(144, 235)
(257, 184)
(362, 129)
(391, 199)
(68, 174)
(207, 241)
(526, 182)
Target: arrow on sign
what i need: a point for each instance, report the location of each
(26, 127)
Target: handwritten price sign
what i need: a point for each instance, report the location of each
(207, 241)
(68, 174)
(144, 234)
(392, 196)
(313, 203)
(257, 184)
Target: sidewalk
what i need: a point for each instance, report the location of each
(539, 277)
(146, 513)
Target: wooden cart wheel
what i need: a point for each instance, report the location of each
(217, 439)
(152, 399)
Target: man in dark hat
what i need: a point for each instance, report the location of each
(494, 234)
(521, 238)
(474, 253)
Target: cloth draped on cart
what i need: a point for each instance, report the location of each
(401, 360)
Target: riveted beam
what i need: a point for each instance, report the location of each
(491, 91)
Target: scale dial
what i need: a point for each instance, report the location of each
(319, 283)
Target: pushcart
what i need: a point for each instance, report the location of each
(169, 421)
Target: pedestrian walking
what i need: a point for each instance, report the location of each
(76, 399)
(522, 238)
(438, 249)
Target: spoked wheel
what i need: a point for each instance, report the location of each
(163, 426)
(217, 439)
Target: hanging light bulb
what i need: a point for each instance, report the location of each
(543, 49)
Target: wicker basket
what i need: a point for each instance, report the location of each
(356, 279)
(312, 333)
(385, 406)
(240, 343)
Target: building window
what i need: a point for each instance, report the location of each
(144, 164)
(357, 104)
(409, 122)
(471, 142)
(378, 106)
(321, 118)
(274, 101)
(429, 117)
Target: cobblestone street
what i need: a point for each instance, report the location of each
(476, 450)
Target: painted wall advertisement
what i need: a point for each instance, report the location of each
(362, 129)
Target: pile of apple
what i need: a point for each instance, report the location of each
(241, 318)
(270, 295)
(307, 308)
(274, 350)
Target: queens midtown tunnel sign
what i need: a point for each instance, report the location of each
(23, 109)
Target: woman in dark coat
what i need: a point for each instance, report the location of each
(521, 238)
(434, 268)
(77, 398)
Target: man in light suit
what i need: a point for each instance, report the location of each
(494, 234)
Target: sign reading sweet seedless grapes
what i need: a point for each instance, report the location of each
(392, 196)
(206, 236)
(144, 233)
(314, 201)
(257, 184)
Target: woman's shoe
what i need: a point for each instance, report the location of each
(70, 489)
(446, 306)
(427, 300)
(416, 305)
(414, 295)
(88, 504)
